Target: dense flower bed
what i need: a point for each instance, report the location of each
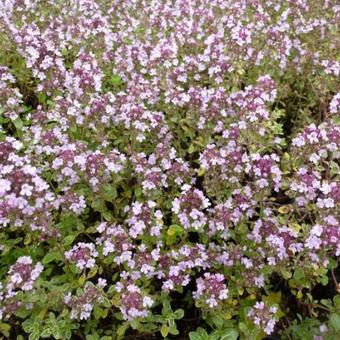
(169, 169)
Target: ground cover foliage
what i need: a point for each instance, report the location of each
(169, 169)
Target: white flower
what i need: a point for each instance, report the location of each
(223, 294)
(5, 186)
(147, 302)
(211, 302)
(313, 242)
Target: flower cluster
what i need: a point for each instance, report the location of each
(211, 290)
(82, 304)
(324, 237)
(23, 274)
(25, 197)
(11, 98)
(133, 302)
(263, 316)
(172, 152)
(21, 277)
(82, 255)
(189, 208)
(143, 220)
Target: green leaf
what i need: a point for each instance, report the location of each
(92, 272)
(199, 334)
(299, 274)
(50, 257)
(34, 336)
(334, 321)
(46, 332)
(68, 240)
(226, 334)
(326, 302)
(92, 337)
(334, 168)
(29, 325)
(218, 320)
(172, 327)
(191, 148)
(97, 205)
(164, 330)
(336, 300)
(286, 274)
(324, 280)
(135, 324)
(18, 123)
(273, 298)
(109, 192)
(69, 221)
(166, 310)
(42, 98)
(173, 232)
(115, 80)
(336, 119)
(200, 171)
(97, 312)
(5, 329)
(107, 215)
(178, 314)
(122, 329)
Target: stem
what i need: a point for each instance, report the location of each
(336, 283)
